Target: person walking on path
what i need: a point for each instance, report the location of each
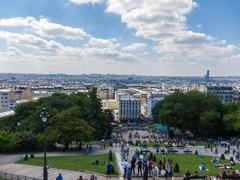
(109, 170)
(59, 177)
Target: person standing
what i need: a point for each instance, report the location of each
(59, 177)
(145, 173)
(133, 166)
(129, 174)
(109, 170)
(154, 172)
(139, 167)
(125, 168)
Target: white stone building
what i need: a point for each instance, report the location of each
(129, 108)
(7, 100)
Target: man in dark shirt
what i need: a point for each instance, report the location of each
(109, 170)
(139, 165)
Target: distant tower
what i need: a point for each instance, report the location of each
(207, 75)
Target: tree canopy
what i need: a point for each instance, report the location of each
(202, 114)
(76, 117)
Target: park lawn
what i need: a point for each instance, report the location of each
(192, 162)
(78, 163)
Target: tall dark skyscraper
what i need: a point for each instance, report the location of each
(207, 75)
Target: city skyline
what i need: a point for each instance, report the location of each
(164, 37)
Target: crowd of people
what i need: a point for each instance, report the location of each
(141, 164)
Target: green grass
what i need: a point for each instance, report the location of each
(192, 162)
(79, 163)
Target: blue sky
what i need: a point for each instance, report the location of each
(151, 37)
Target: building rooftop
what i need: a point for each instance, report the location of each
(7, 113)
(128, 97)
(5, 90)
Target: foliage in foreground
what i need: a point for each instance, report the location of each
(77, 117)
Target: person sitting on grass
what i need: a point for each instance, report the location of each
(187, 174)
(202, 167)
(195, 174)
(109, 170)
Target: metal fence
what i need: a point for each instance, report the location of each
(8, 176)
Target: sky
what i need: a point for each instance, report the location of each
(146, 37)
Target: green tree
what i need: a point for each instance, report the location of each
(232, 117)
(69, 126)
(194, 111)
(7, 141)
(176, 168)
(81, 113)
(110, 156)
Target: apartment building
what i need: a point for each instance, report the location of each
(7, 100)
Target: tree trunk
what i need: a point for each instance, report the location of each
(80, 145)
(66, 145)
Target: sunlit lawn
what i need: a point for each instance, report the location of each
(79, 163)
(192, 162)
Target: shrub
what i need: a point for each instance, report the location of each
(110, 156)
(26, 157)
(222, 157)
(150, 157)
(176, 168)
(231, 159)
(32, 155)
(154, 159)
(196, 152)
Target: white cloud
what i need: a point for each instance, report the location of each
(165, 23)
(153, 19)
(103, 43)
(233, 59)
(30, 41)
(135, 47)
(162, 22)
(36, 48)
(43, 27)
(80, 2)
(17, 21)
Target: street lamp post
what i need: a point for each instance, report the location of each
(44, 116)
